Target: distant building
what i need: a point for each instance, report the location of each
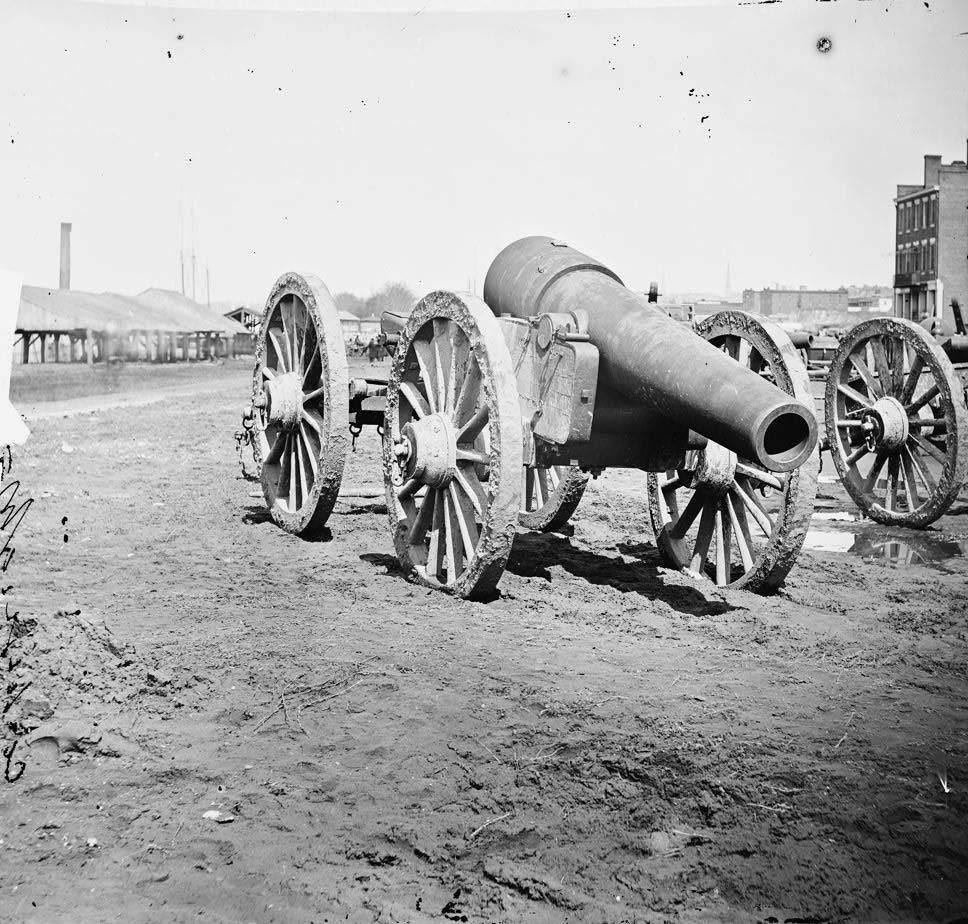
(795, 303)
(931, 242)
(250, 319)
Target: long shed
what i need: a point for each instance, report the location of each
(60, 325)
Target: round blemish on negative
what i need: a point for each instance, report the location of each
(824, 44)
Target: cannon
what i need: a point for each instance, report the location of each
(497, 410)
(896, 418)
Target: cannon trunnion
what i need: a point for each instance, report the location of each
(496, 411)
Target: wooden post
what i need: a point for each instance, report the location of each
(89, 346)
(43, 345)
(57, 337)
(26, 339)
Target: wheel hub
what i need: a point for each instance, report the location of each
(429, 450)
(284, 400)
(715, 469)
(885, 424)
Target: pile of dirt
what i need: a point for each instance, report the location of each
(69, 665)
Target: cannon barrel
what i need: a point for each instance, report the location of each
(652, 359)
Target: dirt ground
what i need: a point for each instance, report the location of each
(606, 741)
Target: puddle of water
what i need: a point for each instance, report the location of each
(820, 540)
(901, 551)
(828, 479)
(837, 515)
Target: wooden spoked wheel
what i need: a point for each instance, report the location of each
(896, 422)
(300, 390)
(550, 496)
(725, 517)
(452, 446)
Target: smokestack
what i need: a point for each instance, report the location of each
(65, 255)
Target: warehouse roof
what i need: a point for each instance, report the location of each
(44, 309)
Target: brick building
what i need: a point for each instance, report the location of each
(794, 303)
(931, 242)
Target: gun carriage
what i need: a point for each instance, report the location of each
(497, 410)
(896, 419)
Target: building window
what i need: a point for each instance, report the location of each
(934, 211)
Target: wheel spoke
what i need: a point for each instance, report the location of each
(281, 356)
(416, 400)
(410, 487)
(470, 431)
(927, 479)
(673, 485)
(857, 455)
(436, 549)
(295, 316)
(681, 526)
(470, 392)
(313, 361)
(472, 455)
(285, 466)
(439, 338)
(700, 551)
(470, 484)
(418, 528)
(871, 480)
(867, 377)
(762, 520)
(910, 482)
(314, 394)
(731, 346)
(882, 365)
(929, 448)
(310, 453)
(464, 511)
(452, 532)
(929, 395)
(424, 354)
(853, 394)
(890, 497)
(267, 373)
(297, 441)
(287, 336)
(721, 531)
(911, 382)
(275, 453)
(928, 423)
(293, 464)
(741, 530)
(308, 418)
(753, 471)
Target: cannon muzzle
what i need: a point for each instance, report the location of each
(652, 359)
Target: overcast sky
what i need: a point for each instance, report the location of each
(366, 147)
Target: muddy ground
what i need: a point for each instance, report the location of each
(607, 740)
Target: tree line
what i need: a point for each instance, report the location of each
(394, 296)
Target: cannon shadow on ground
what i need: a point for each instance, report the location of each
(533, 553)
